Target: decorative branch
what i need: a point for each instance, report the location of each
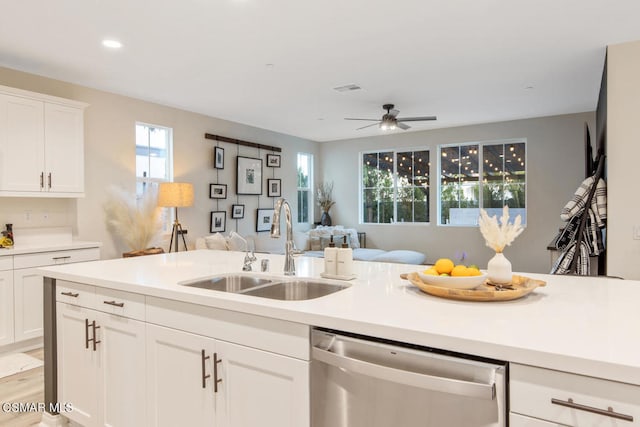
(498, 236)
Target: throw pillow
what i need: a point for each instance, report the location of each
(216, 241)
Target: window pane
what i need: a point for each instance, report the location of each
(304, 165)
(412, 182)
(377, 180)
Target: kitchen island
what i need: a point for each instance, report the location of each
(576, 325)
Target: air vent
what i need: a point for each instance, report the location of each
(347, 88)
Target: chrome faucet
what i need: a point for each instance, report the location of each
(289, 249)
(248, 259)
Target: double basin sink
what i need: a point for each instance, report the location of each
(285, 289)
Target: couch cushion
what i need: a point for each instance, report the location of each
(401, 257)
(367, 254)
(216, 241)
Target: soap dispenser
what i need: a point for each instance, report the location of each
(345, 260)
(330, 259)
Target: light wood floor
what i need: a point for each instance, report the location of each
(24, 387)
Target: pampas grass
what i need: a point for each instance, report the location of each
(137, 223)
(498, 236)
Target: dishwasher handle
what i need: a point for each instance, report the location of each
(429, 382)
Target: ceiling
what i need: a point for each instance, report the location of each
(274, 64)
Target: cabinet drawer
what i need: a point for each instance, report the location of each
(75, 293)
(122, 303)
(6, 263)
(573, 400)
(516, 420)
(42, 259)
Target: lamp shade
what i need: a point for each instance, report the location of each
(175, 194)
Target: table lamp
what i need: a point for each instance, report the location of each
(175, 195)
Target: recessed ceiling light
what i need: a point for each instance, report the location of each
(113, 44)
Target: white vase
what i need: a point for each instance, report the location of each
(499, 269)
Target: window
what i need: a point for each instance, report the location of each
(305, 186)
(395, 187)
(462, 193)
(153, 161)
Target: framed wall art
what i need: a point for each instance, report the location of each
(237, 211)
(217, 191)
(265, 216)
(249, 175)
(273, 160)
(218, 158)
(273, 187)
(218, 221)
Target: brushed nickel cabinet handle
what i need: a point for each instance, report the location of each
(95, 340)
(58, 258)
(216, 380)
(41, 180)
(609, 412)
(86, 333)
(117, 304)
(49, 180)
(204, 369)
(70, 294)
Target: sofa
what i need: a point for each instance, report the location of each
(311, 242)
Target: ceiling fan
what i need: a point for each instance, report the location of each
(390, 120)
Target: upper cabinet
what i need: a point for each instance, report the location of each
(41, 145)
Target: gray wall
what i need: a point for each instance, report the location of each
(555, 168)
(110, 160)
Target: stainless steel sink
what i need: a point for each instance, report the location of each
(295, 290)
(268, 287)
(230, 282)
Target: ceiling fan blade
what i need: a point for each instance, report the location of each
(417, 119)
(394, 112)
(402, 126)
(368, 120)
(368, 126)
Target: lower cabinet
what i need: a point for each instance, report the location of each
(516, 420)
(28, 304)
(199, 381)
(6, 307)
(101, 367)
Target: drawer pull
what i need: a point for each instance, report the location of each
(70, 294)
(609, 412)
(117, 304)
(58, 258)
(216, 380)
(204, 369)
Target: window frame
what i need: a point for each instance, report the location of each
(480, 145)
(309, 188)
(394, 152)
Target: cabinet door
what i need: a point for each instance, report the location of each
(28, 292)
(64, 148)
(6, 307)
(178, 391)
(77, 363)
(121, 382)
(517, 420)
(21, 143)
(259, 388)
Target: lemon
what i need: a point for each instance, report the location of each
(430, 272)
(460, 270)
(474, 271)
(444, 265)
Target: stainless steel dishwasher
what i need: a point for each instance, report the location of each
(362, 382)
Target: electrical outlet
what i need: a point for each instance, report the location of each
(636, 232)
(27, 216)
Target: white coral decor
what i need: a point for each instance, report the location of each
(498, 236)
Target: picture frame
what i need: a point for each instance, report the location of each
(249, 175)
(218, 221)
(217, 191)
(264, 219)
(237, 211)
(273, 160)
(218, 157)
(274, 187)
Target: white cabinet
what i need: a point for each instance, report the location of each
(41, 145)
(101, 362)
(565, 399)
(222, 384)
(27, 292)
(6, 300)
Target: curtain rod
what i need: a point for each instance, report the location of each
(241, 142)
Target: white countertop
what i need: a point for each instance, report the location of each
(584, 325)
(20, 249)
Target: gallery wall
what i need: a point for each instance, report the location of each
(555, 168)
(110, 160)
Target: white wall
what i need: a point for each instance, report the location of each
(110, 159)
(555, 151)
(623, 152)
